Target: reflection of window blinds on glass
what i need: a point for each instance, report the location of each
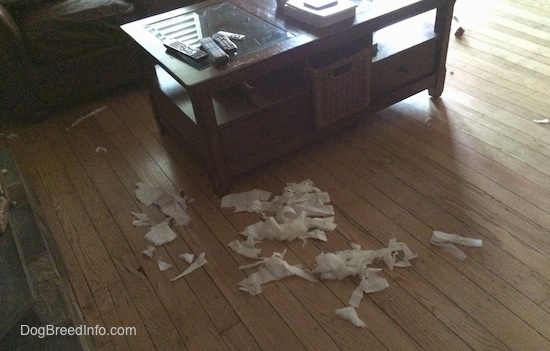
(185, 28)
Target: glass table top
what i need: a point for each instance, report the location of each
(192, 26)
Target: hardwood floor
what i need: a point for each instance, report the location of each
(473, 162)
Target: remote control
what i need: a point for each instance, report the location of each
(225, 43)
(186, 50)
(217, 55)
(230, 35)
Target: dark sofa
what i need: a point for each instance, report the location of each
(58, 52)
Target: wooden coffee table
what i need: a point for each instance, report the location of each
(289, 84)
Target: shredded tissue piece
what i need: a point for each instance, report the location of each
(100, 150)
(187, 257)
(160, 234)
(10, 136)
(172, 205)
(354, 262)
(446, 241)
(141, 220)
(245, 247)
(163, 265)
(349, 313)
(149, 251)
(273, 268)
(300, 212)
(541, 121)
(243, 202)
(93, 113)
(370, 283)
(297, 228)
(199, 262)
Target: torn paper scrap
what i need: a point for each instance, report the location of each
(244, 201)
(446, 241)
(297, 228)
(296, 197)
(187, 257)
(199, 262)
(172, 205)
(245, 247)
(141, 220)
(314, 204)
(305, 186)
(148, 195)
(10, 136)
(370, 283)
(149, 251)
(176, 208)
(354, 262)
(272, 268)
(163, 265)
(349, 313)
(394, 247)
(160, 234)
(541, 121)
(100, 150)
(93, 113)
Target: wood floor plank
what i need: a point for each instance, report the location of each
(238, 338)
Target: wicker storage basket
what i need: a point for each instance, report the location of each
(340, 85)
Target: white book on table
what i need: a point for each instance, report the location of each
(323, 17)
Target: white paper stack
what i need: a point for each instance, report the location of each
(320, 17)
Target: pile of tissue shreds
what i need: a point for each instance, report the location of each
(302, 212)
(174, 207)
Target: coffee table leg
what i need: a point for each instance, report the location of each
(443, 21)
(208, 127)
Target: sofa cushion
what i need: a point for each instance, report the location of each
(67, 28)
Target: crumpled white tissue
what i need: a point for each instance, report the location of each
(141, 220)
(199, 262)
(354, 262)
(296, 212)
(272, 268)
(296, 228)
(187, 257)
(163, 265)
(246, 200)
(160, 234)
(245, 247)
(349, 313)
(446, 241)
(370, 283)
(172, 205)
(149, 251)
(147, 194)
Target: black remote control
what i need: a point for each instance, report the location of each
(186, 50)
(217, 55)
(225, 43)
